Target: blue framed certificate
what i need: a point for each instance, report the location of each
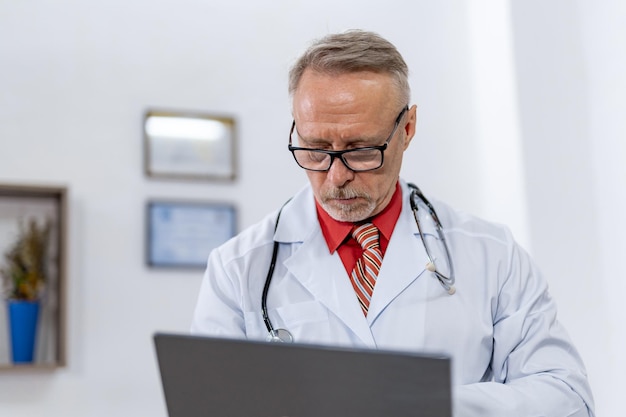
(182, 234)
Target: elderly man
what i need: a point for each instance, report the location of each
(360, 258)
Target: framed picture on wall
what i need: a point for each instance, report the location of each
(189, 145)
(181, 234)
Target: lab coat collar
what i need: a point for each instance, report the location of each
(298, 218)
(426, 221)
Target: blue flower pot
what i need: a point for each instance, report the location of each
(23, 317)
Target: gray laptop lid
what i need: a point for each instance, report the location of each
(213, 377)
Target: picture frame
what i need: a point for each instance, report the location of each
(181, 234)
(189, 145)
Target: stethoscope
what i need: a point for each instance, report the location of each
(447, 282)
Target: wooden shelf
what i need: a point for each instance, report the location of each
(18, 202)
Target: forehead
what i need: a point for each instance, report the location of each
(353, 97)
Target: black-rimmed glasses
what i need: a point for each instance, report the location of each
(357, 159)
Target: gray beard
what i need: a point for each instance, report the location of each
(348, 212)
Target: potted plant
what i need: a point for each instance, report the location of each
(24, 274)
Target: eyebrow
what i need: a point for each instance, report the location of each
(364, 140)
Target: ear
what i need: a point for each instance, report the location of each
(409, 125)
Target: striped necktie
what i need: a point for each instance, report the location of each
(363, 276)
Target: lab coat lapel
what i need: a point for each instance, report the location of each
(325, 277)
(404, 262)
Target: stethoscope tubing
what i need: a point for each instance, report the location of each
(268, 279)
(446, 282)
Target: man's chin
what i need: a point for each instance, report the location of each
(347, 212)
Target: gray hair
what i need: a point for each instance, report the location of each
(353, 51)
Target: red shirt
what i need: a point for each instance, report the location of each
(338, 237)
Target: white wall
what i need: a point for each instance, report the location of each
(76, 77)
(603, 33)
(571, 61)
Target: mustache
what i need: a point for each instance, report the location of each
(344, 193)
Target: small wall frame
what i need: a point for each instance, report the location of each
(23, 203)
(189, 145)
(181, 234)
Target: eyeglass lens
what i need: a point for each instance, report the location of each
(357, 159)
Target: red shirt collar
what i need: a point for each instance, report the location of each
(335, 232)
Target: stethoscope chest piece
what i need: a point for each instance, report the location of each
(279, 336)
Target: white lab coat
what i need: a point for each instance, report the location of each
(510, 357)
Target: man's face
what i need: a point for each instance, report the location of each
(346, 111)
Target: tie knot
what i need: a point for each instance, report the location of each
(367, 235)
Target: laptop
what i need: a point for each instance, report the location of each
(214, 377)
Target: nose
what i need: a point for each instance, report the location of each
(339, 174)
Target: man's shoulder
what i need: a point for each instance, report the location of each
(252, 237)
(455, 220)
(263, 233)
